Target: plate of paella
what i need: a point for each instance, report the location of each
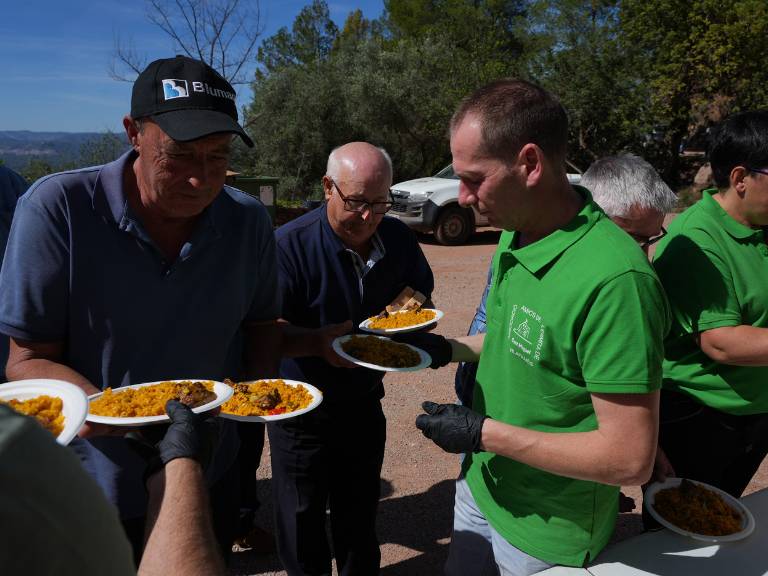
(269, 400)
(60, 407)
(381, 353)
(143, 404)
(698, 510)
(401, 321)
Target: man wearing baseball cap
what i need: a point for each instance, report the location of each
(144, 269)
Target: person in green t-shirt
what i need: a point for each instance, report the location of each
(714, 267)
(566, 402)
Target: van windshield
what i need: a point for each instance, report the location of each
(447, 172)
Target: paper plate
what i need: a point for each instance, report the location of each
(222, 391)
(317, 397)
(747, 520)
(74, 401)
(425, 358)
(364, 325)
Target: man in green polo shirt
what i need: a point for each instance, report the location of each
(714, 267)
(566, 403)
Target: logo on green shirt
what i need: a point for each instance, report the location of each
(525, 334)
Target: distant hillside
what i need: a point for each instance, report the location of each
(18, 147)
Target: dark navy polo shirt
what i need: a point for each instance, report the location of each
(81, 269)
(319, 286)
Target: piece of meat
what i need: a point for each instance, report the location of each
(267, 401)
(195, 394)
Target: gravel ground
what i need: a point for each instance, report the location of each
(416, 508)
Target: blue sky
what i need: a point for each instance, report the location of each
(55, 57)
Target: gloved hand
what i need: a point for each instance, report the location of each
(183, 437)
(189, 435)
(453, 427)
(438, 347)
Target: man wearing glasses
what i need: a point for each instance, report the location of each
(338, 265)
(713, 265)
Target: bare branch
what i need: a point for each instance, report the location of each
(125, 63)
(223, 33)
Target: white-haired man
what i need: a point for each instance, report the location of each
(338, 265)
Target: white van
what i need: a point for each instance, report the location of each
(432, 205)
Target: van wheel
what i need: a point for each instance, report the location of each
(454, 225)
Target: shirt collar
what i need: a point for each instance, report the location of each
(377, 253)
(536, 256)
(377, 243)
(725, 220)
(109, 191)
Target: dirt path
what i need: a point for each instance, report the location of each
(416, 509)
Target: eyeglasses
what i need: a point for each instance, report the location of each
(653, 239)
(757, 170)
(359, 206)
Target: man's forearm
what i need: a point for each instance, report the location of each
(25, 364)
(467, 348)
(620, 452)
(736, 345)
(180, 537)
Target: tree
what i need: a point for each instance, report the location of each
(308, 43)
(223, 33)
(106, 148)
(704, 59)
(580, 55)
(36, 168)
(389, 84)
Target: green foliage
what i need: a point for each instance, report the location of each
(634, 76)
(703, 59)
(309, 42)
(37, 168)
(106, 148)
(580, 56)
(378, 83)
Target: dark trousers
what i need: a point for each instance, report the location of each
(711, 446)
(251, 436)
(330, 457)
(223, 496)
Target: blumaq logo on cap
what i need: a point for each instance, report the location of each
(173, 88)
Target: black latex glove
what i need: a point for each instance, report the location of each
(189, 435)
(453, 427)
(183, 438)
(438, 348)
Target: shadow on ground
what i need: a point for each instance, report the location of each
(417, 522)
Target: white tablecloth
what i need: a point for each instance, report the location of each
(665, 553)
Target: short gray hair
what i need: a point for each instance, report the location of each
(621, 182)
(334, 162)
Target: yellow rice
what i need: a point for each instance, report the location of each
(242, 403)
(46, 409)
(402, 319)
(144, 401)
(381, 352)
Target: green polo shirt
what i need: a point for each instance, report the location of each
(715, 272)
(581, 311)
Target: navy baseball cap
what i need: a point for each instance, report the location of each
(187, 98)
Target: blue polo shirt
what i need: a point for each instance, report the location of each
(81, 269)
(319, 285)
